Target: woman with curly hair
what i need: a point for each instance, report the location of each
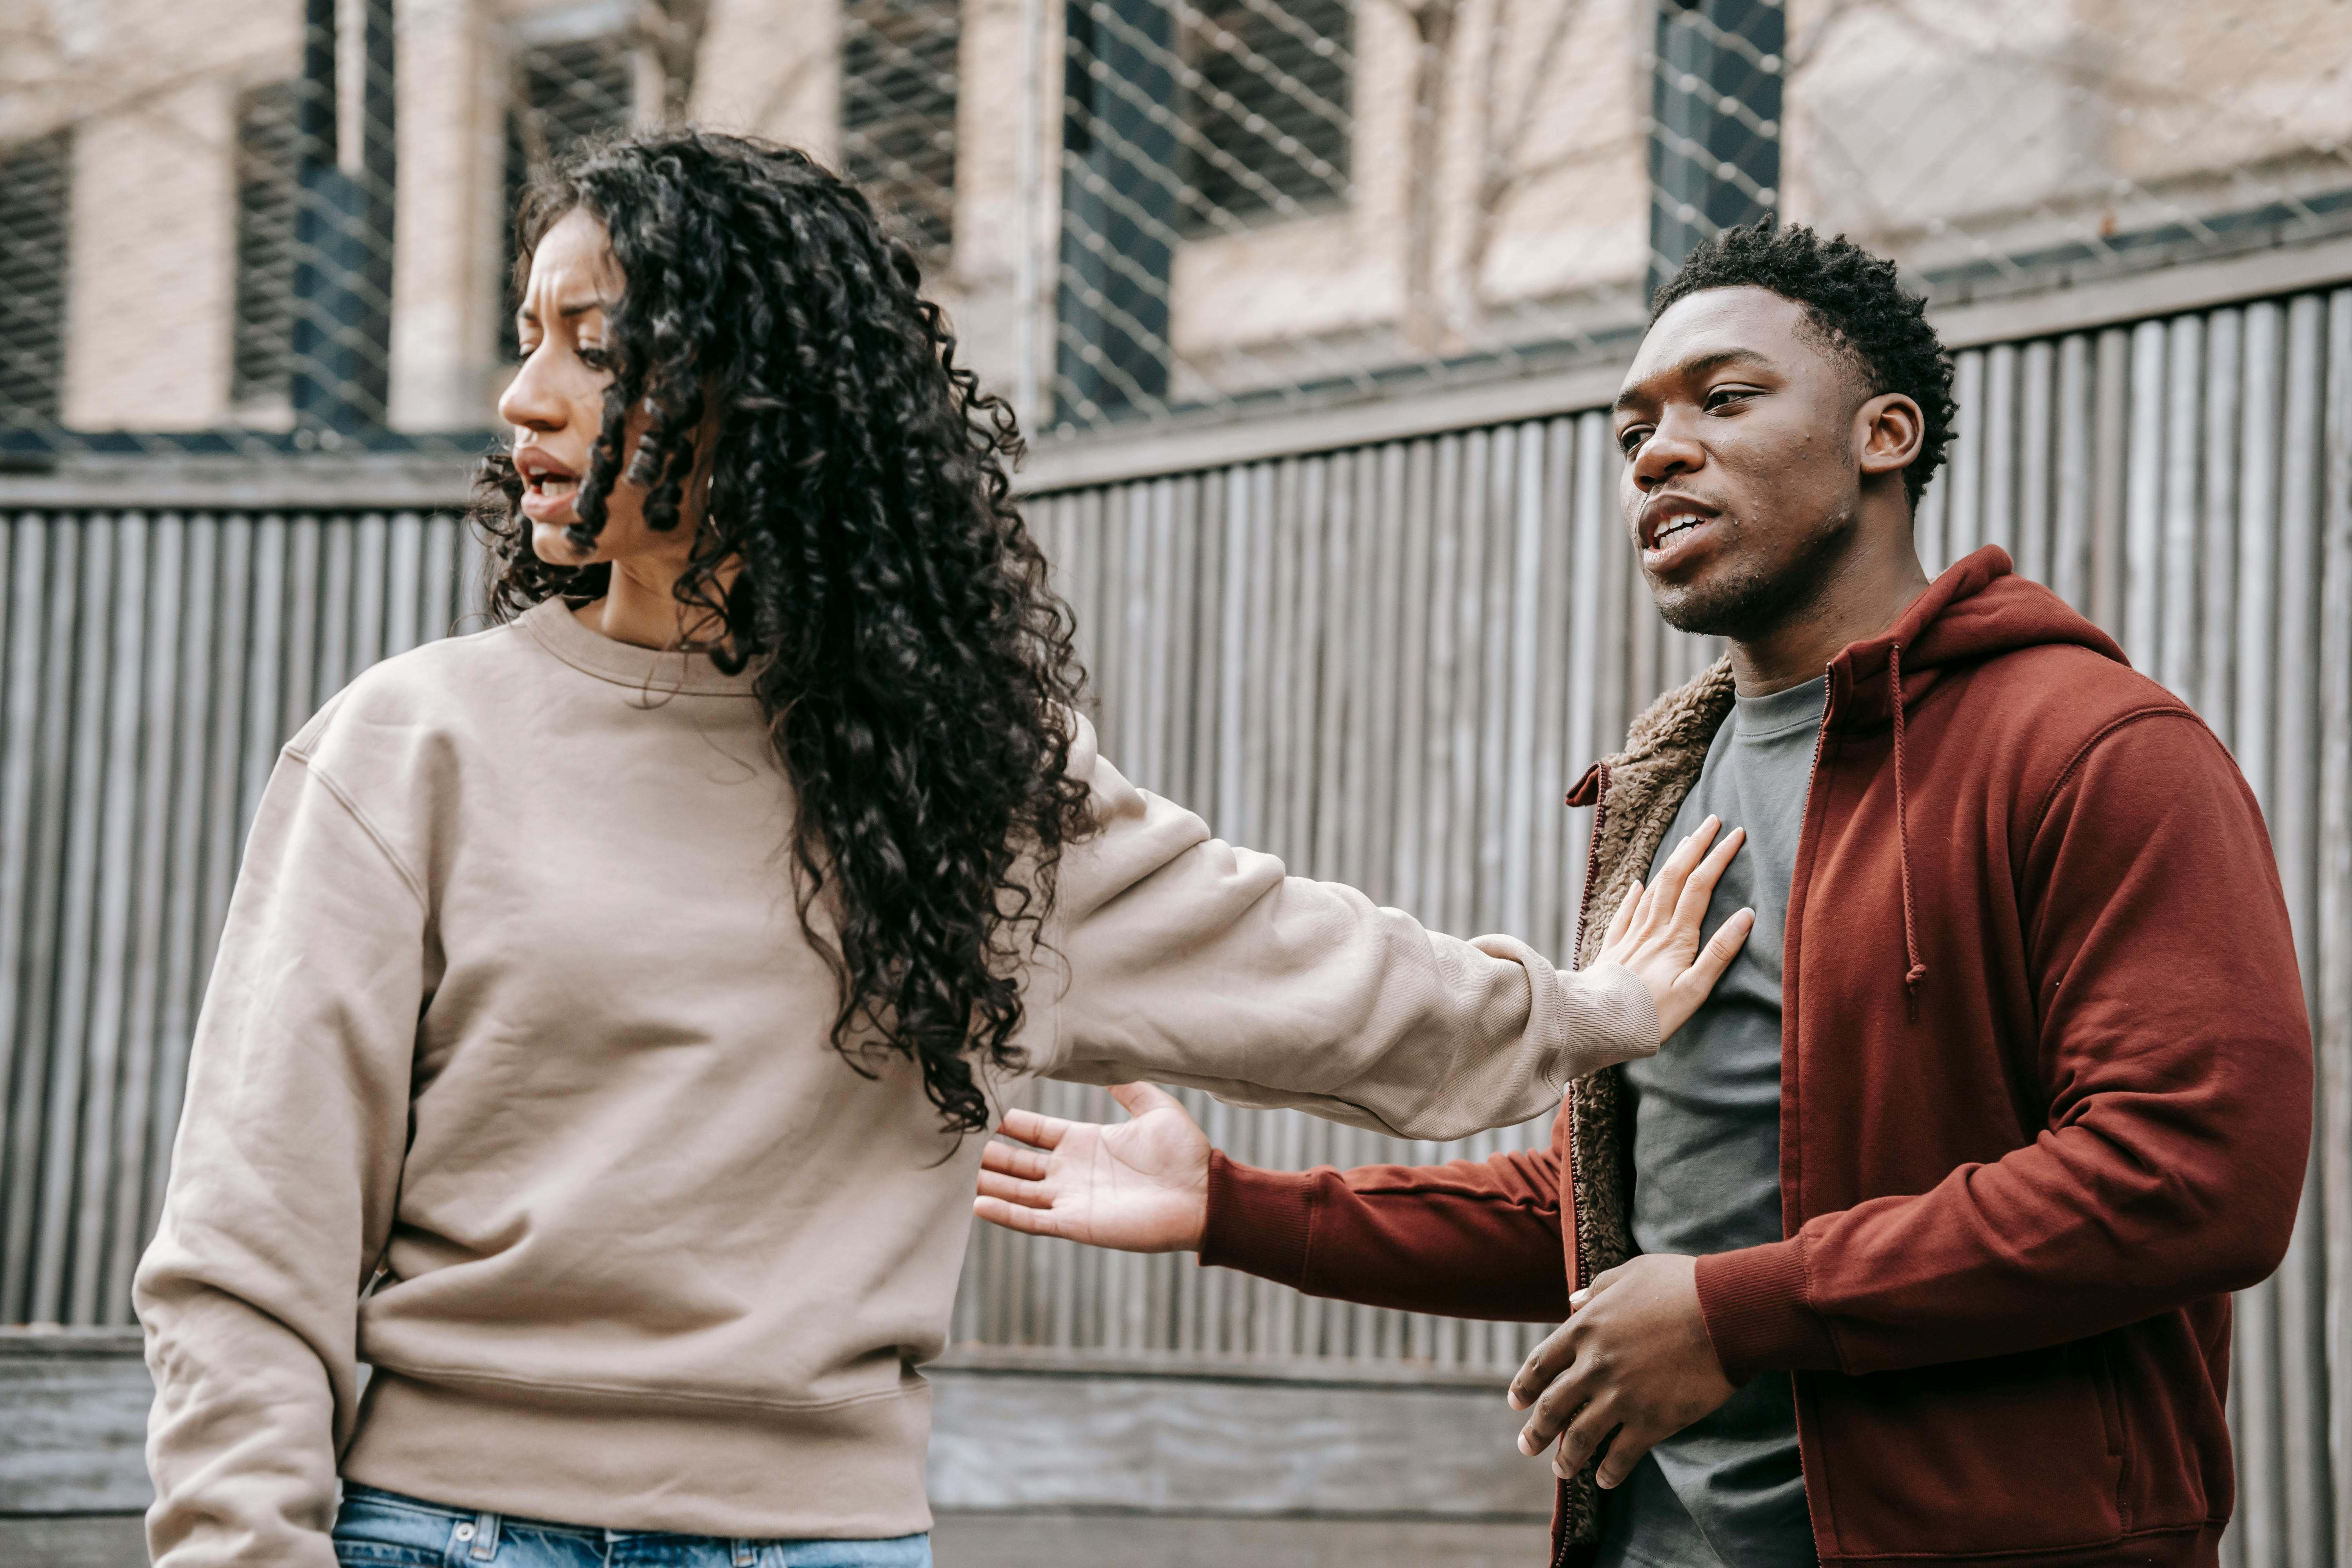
(606, 996)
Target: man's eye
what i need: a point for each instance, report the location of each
(1629, 440)
(1723, 394)
(595, 358)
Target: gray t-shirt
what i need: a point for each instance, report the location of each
(1728, 1490)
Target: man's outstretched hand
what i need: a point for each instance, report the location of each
(1140, 1186)
(1655, 931)
(1633, 1359)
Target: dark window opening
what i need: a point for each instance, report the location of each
(34, 187)
(1267, 117)
(267, 152)
(1714, 144)
(563, 94)
(898, 111)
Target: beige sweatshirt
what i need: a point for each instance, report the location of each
(513, 1021)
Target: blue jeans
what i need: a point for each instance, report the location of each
(384, 1530)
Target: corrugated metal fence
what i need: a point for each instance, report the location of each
(1384, 664)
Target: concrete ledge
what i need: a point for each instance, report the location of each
(75, 1540)
(985, 1541)
(1235, 1443)
(355, 481)
(1014, 1434)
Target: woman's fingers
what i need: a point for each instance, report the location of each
(1042, 1131)
(1716, 955)
(1623, 921)
(1690, 905)
(1666, 886)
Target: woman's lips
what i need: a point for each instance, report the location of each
(548, 498)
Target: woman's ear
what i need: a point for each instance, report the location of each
(1888, 429)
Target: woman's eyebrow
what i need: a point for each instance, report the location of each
(530, 317)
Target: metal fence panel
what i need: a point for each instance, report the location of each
(1383, 663)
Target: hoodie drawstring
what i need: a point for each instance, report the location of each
(1917, 970)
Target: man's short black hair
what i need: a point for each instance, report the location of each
(1853, 297)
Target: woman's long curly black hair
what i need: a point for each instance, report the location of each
(915, 671)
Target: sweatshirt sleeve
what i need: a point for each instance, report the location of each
(1472, 1239)
(1181, 959)
(283, 1183)
(2177, 1060)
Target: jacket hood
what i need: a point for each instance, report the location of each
(1977, 609)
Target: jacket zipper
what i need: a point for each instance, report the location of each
(1575, 1220)
(1583, 913)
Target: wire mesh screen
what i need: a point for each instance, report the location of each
(899, 110)
(1435, 190)
(286, 223)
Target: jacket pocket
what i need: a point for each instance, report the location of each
(2007, 1454)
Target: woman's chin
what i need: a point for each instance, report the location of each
(550, 544)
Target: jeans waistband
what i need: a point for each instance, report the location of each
(477, 1531)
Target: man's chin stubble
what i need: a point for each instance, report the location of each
(1746, 604)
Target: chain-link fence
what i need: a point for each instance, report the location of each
(279, 223)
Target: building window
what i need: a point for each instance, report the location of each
(34, 180)
(1715, 138)
(565, 91)
(267, 150)
(1266, 110)
(898, 111)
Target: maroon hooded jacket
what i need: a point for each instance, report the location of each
(2045, 1100)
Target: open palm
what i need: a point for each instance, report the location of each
(1139, 1185)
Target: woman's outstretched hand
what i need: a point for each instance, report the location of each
(1656, 932)
(1139, 1185)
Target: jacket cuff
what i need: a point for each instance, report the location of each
(1757, 1318)
(1258, 1220)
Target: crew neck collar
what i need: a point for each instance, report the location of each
(558, 631)
(1754, 718)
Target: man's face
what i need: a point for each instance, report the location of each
(1740, 428)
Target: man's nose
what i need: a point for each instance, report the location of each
(1669, 451)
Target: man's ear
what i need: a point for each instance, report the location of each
(1887, 430)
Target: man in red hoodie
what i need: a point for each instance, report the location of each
(1916, 1241)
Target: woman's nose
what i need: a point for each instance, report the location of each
(529, 401)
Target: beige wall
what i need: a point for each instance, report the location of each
(1947, 133)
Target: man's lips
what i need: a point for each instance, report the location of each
(1667, 519)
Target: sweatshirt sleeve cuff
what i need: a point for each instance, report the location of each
(1754, 1304)
(1258, 1220)
(1608, 1016)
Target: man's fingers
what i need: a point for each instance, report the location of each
(1584, 1438)
(996, 1211)
(1005, 1189)
(1029, 1164)
(1028, 1126)
(1625, 1451)
(1135, 1098)
(1543, 1363)
(1557, 1406)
